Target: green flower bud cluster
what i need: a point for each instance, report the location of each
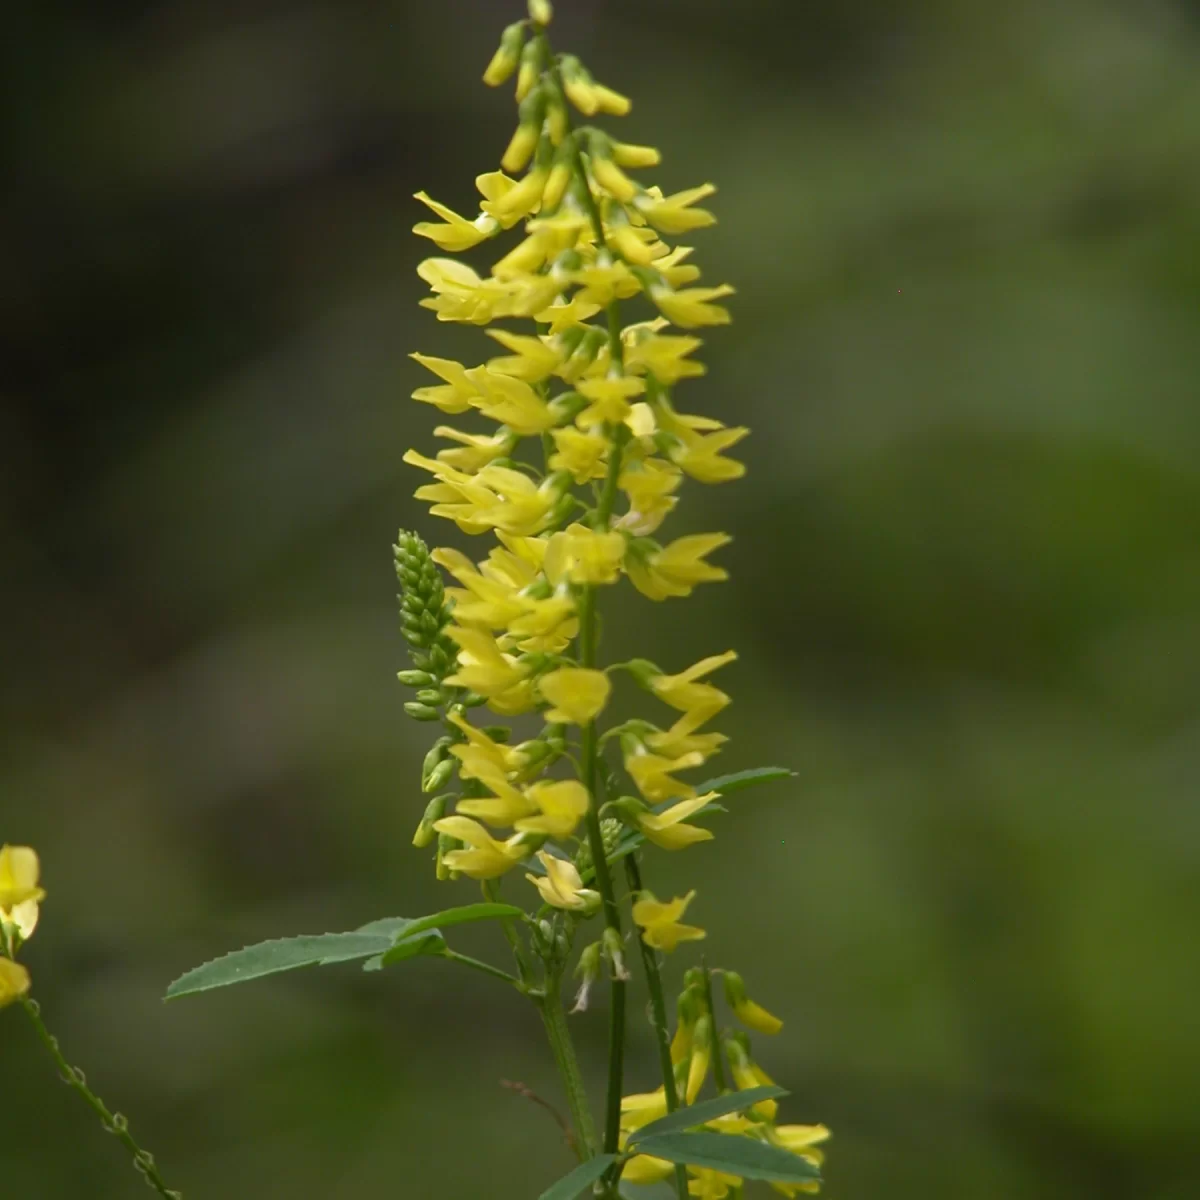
(610, 830)
(424, 615)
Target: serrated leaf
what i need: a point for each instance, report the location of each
(732, 1153)
(279, 954)
(580, 1179)
(390, 926)
(723, 785)
(705, 1111)
(451, 916)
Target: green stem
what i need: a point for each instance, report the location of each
(485, 968)
(563, 1049)
(115, 1123)
(658, 1010)
(718, 1056)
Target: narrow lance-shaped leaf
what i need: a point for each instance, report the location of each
(580, 1179)
(733, 1154)
(705, 1111)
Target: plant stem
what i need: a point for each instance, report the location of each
(563, 1049)
(718, 1057)
(486, 968)
(658, 1009)
(115, 1123)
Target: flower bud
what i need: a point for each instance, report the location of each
(431, 696)
(434, 811)
(414, 678)
(529, 128)
(540, 12)
(508, 53)
(752, 1015)
(626, 154)
(587, 971)
(421, 712)
(700, 1058)
(439, 776)
(435, 755)
(530, 69)
(614, 951)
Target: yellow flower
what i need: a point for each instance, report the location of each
(664, 358)
(456, 394)
(609, 399)
(484, 669)
(561, 804)
(675, 214)
(748, 1074)
(700, 455)
(641, 1108)
(583, 454)
(532, 359)
(701, 1056)
(692, 307)
(478, 449)
(626, 154)
(484, 858)
(649, 485)
(19, 871)
(677, 568)
(526, 197)
(561, 886)
(562, 317)
(643, 1168)
(456, 233)
(577, 693)
(481, 748)
(461, 295)
(581, 555)
(14, 981)
(652, 774)
(754, 1016)
(708, 1183)
(801, 1140)
(605, 280)
(684, 693)
(666, 829)
(674, 270)
(682, 737)
(510, 402)
(613, 180)
(660, 922)
(508, 54)
(520, 506)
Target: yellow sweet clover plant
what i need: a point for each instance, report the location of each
(578, 464)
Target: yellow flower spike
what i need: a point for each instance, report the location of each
(675, 214)
(19, 870)
(692, 307)
(561, 886)
(660, 923)
(609, 399)
(14, 981)
(667, 829)
(578, 694)
(560, 805)
(685, 693)
(578, 554)
(653, 775)
(484, 857)
(701, 1056)
(676, 569)
(456, 233)
(584, 454)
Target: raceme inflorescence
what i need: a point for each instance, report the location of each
(571, 460)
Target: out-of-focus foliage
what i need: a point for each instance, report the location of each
(966, 579)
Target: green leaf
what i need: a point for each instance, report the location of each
(280, 954)
(389, 926)
(733, 1154)
(705, 1111)
(580, 1179)
(740, 780)
(645, 1191)
(451, 916)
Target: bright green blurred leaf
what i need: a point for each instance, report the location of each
(731, 1153)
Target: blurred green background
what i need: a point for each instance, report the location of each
(966, 581)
